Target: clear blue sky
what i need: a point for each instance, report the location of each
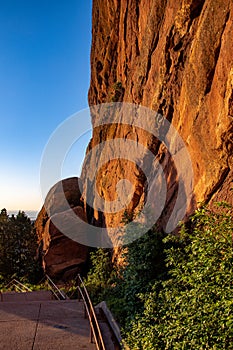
(44, 78)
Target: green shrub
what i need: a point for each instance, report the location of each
(120, 286)
(99, 278)
(192, 309)
(144, 264)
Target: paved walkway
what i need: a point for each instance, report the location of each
(43, 325)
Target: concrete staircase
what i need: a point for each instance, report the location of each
(33, 321)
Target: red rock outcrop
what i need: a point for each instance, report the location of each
(175, 57)
(62, 257)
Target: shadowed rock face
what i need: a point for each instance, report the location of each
(175, 57)
(61, 256)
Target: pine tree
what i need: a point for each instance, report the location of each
(18, 246)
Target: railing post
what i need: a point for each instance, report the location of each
(91, 324)
(79, 286)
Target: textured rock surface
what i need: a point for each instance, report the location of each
(175, 57)
(61, 256)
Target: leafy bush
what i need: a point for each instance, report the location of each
(144, 260)
(120, 285)
(192, 309)
(99, 278)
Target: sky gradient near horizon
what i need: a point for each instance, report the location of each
(45, 76)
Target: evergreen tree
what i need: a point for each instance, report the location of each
(18, 246)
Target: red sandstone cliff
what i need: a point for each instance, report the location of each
(175, 57)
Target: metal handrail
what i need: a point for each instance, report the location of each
(18, 285)
(56, 290)
(94, 324)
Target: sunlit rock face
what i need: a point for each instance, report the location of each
(176, 58)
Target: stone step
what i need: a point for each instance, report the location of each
(26, 296)
(45, 325)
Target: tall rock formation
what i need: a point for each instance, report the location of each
(176, 58)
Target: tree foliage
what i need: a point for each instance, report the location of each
(18, 246)
(193, 308)
(174, 292)
(119, 285)
(100, 276)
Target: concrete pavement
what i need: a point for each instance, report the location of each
(44, 325)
